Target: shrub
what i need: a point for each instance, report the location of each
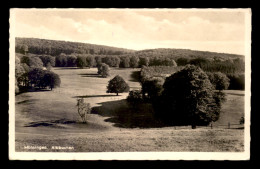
(83, 109)
(134, 96)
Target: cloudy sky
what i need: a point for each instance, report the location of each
(218, 31)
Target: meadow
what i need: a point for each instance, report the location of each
(49, 118)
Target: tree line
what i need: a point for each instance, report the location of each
(83, 60)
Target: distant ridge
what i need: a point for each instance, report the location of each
(56, 47)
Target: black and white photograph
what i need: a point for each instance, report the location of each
(129, 84)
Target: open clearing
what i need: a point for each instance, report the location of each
(48, 118)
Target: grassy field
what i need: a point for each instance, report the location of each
(49, 118)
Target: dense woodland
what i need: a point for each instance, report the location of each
(55, 48)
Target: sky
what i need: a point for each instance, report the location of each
(215, 30)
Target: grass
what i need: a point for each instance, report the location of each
(50, 119)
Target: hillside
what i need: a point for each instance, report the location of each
(54, 48)
(187, 53)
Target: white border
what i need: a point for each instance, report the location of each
(132, 155)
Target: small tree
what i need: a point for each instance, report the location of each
(83, 109)
(103, 70)
(117, 85)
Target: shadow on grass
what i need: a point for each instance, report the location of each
(236, 94)
(26, 101)
(63, 68)
(25, 90)
(90, 96)
(90, 75)
(49, 123)
(124, 115)
(135, 76)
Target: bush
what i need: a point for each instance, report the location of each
(134, 96)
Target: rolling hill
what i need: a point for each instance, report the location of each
(55, 47)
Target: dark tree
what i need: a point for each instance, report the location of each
(143, 61)
(117, 85)
(98, 60)
(81, 61)
(35, 77)
(51, 80)
(91, 62)
(71, 61)
(124, 62)
(24, 49)
(188, 98)
(219, 80)
(61, 60)
(47, 59)
(152, 87)
(31, 61)
(134, 62)
(182, 61)
(104, 70)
